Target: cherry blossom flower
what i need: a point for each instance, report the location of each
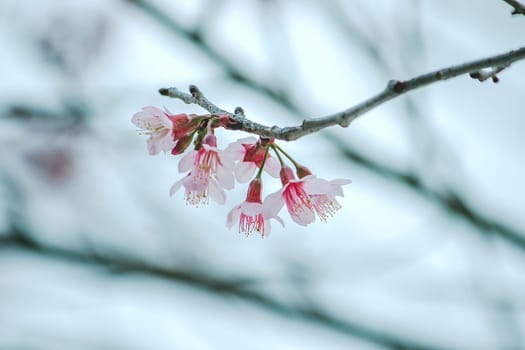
(250, 154)
(164, 129)
(209, 174)
(155, 122)
(305, 197)
(251, 214)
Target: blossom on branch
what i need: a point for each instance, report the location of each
(209, 174)
(251, 214)
(166, 130)
(211, 171)
(306, 197)
(155, 122)
(249, 153)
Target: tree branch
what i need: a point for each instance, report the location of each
(449, 201)
(394, 88)
(519, 9)
(239, 288)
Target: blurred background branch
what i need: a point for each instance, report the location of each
(428, 254)
(519, 9)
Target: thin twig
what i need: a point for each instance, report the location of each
(519, 9)
(393, 89)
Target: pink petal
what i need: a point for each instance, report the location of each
(272, 204)
(313, 185)
(244, 171)
(153, 145)
(186, 162)
(216, 192)
(272, 166)
(138, 120)
(165, 141)
(165, 121)
(336, 186)
(225, 178)
(303, 217)
(177, 185)
(267, 228)
(233, 216)
(340, 182)
(251, 209)
(233, 153)
(147, 116)
(153, 111)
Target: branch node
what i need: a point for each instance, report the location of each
(275, 129)
(489, 73)
(397, 86)
(345, 122)
(305, 122)
(391, 83)
(239, 111)
(194, 91)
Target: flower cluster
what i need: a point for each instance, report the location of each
(210, 171)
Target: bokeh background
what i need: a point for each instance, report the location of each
(428, 251)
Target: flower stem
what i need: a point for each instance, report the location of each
(278, 155)
(277, 147)
(259, 173)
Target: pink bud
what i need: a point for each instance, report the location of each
(286, 175)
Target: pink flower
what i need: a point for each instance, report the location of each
(164, 129)
(305, 197)
(250, 153)
(155, 123)
(251, 214)
(209, 174)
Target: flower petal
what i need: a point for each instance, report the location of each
(314, 185)
(340, 182)
(146, 117)
(153, 146)
(244, 171)
(272, 166)
(153, 111)
(216, 192)
(302, 217)
(233, 216)
(178, 185)
(165, 121)
(251, 208)
(233, 153)
(225, 178)
(336, 189)
(272, 204)
(165, 141)
(186, 162)
(267, 228)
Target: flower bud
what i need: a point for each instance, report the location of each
(302, 171)
(182, 144)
